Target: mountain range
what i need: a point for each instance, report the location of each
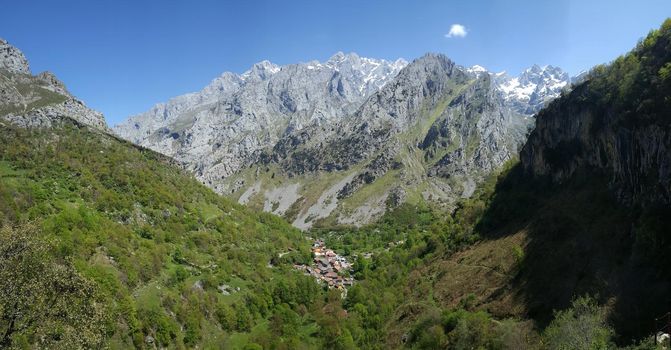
(344, 140)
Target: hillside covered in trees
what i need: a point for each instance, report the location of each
(106, 243)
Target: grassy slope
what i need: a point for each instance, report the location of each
(149, 235)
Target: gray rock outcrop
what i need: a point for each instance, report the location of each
(38, 101)
(12, 59)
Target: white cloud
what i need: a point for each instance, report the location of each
(457, 31)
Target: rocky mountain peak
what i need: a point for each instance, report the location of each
(535, 69)
(40, 100)
(421, 81)
(340, 57)
(227, 83)
(261, 71)
(12, 59)
(533, 88)
(537, 74)
(433, 56)
(400, 63)
(430, 62)
(476, 70)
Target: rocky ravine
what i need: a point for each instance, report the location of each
(344, 139)
(38, 100)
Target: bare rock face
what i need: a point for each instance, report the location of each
(52, 83)
(340, 141)
(38, 101)
(69, 108)
(12, 59)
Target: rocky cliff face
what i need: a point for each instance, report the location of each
(615, 123)
(340, 141)
(29, 100)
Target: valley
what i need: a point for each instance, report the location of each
(351, 203)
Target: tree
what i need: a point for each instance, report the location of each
(43, 302)
(583, 326)
(284, 322)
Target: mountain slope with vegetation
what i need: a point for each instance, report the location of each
(162, 258)
(612, 134)
(581, 222)
(126, 250)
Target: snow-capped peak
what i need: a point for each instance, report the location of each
(369, 74)
(531, 90)
(261, 70)
(476, 70)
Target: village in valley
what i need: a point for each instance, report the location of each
(328, 267)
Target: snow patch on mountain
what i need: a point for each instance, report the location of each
(531, 90)
(476, 70)
(534, 88)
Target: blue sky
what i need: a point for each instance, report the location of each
(121, 57)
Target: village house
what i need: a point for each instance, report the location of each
(328, 267)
